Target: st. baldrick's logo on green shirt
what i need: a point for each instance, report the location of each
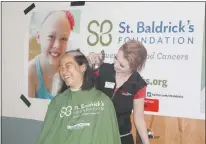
(100, 32)
(82, 109)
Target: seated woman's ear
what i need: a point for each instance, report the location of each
(83, 68)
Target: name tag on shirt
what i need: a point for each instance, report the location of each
(109, 85)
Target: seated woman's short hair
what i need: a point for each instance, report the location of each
(88, 81)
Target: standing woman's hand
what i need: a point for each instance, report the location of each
(95, 58)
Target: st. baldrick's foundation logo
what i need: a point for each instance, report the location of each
(100, 32)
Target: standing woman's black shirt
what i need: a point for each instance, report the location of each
(133, 88)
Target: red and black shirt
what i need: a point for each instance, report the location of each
(133, 88)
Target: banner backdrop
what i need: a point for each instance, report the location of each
(172, 36)
(173, 39)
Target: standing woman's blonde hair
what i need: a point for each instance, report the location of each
(135, 53)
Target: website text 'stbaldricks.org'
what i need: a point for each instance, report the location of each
(157, 82)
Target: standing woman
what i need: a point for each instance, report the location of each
(122, 82)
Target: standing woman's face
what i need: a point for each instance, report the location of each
(121, 65)
(70, 71)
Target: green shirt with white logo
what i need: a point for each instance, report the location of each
(80, 117)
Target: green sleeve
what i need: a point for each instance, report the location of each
(110, 124)
(115, 135)
(48, 122)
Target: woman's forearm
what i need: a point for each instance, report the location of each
(142, 130)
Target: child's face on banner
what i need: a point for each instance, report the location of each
(53, 36)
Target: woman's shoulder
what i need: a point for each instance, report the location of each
(106, 68)
(139, 77)
(32, 70)
(106, 65)
(32, 65)
(60, 97)
(100, 95)
(139, 80)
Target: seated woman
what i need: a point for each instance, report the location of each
(80, 114)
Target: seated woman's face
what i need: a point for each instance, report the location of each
(71, 72)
